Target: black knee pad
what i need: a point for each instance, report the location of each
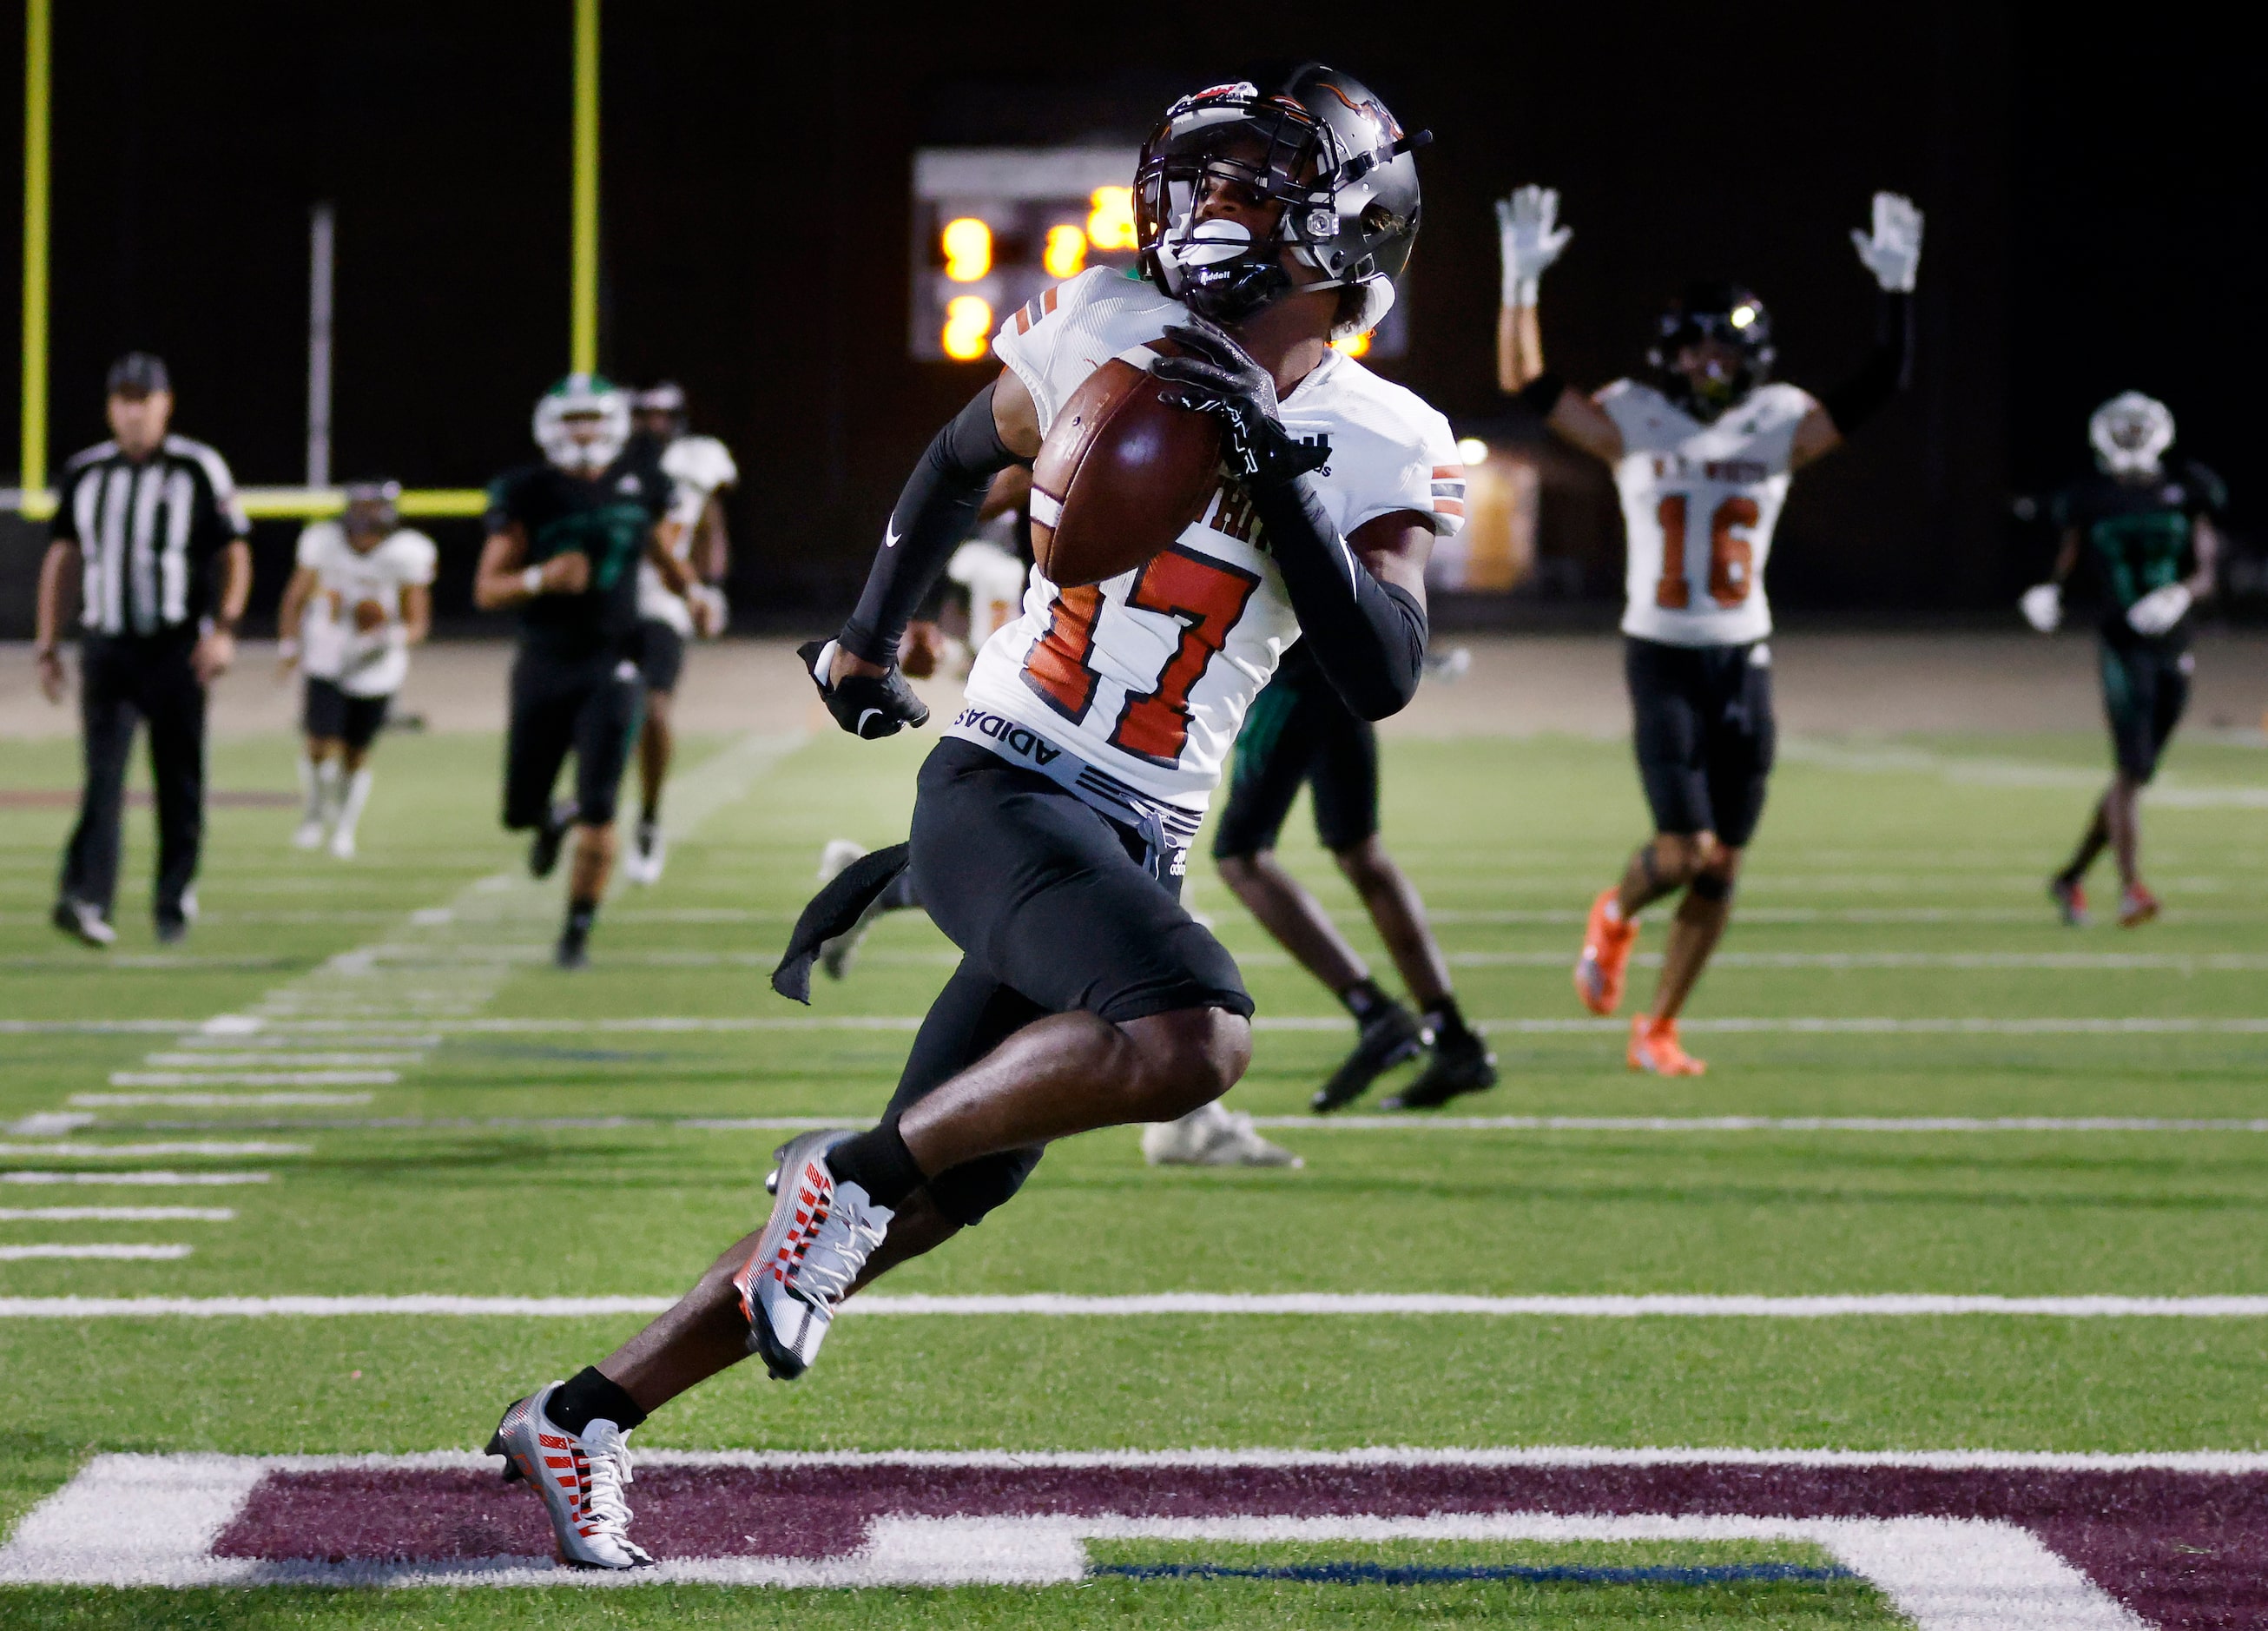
(1711, 886)
(965, 1193)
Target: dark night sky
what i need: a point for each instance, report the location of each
(2088, 228)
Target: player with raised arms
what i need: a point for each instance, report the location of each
(1051, 827)
(2144, 527)
(1702, 459)
(360, 597)
(701, 471)
(565, 540)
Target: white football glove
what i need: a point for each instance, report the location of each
(1894, 253)
(2159, 609)
(1528, 230)
(2043, 607)
(710, 615)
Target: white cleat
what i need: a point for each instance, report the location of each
(649, 854)
(308, 835)
(581, 1478)
(820, 1233)
(839, 853)
(342, 844)
(1212, 1137)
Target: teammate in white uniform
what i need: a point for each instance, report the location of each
(1701, 458)
(1051, 826)
(359, 598)
(701, 471)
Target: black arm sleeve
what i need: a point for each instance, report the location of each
(1888, 370)
(1367, 636)
(1541, 394)
(934, 515)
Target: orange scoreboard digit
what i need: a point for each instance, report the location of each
(993, 226)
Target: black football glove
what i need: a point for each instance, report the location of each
(1218, 376)
(862, 704)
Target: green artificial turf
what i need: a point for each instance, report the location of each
(1897, 881)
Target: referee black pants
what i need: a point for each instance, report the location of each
(125, 680)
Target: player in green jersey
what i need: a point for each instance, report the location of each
(2143, 528)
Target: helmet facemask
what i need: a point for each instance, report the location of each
(582, 424)
(1345, 200)
(2130, 433)
(372, 513)
(1730, 322)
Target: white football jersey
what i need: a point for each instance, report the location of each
(1146, 676)
(1700, 504)
(699, 468)
(371, 663)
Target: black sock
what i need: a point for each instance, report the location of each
(588, 1397)
(878, 1163)
(1447, 1023)
(581, 914)
(1364, 999)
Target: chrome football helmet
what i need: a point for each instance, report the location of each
(583, 423)
(1325, 149)
(1723, 311)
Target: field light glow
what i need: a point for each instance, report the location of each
(1473, 450)
(1065, 254)
(1111, 224)
(1743, 315)
(968, 244)
(968, 332)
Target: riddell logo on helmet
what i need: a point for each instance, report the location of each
(1020, 739)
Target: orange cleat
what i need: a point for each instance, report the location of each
(1606, 945)
(1654, 1048)
(2136, 907)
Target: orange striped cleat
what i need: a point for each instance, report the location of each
(1654, 1049)
(1606, 945)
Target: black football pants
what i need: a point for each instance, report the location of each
(124, 680)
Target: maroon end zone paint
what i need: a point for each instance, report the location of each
(2185, 1550)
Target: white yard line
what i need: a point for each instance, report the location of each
(215, 1101)
(2169, 791)
(273, 1058)
(1421, 1123)
(141, 1180)
(2088, 962)
(1047, 1306)
(116, 1215)
(22, 1254)
(143, 1152)
(254, 1078)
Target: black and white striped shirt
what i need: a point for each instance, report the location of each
(147, 533)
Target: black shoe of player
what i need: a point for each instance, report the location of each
(173, 930)
(573, 950)
(1462, 1066)
(543, 848)
(1391, 1036)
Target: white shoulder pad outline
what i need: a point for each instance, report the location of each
(701, 462)
(317, 539)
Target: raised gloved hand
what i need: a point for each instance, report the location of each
(1217, 376)
(1530, 238)
(712, 614)
(2159, 609)
(2043, 608)
(863, 704)
(1893, 254)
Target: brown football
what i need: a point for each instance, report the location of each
(1120, 475)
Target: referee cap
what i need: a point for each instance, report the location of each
(137, 374)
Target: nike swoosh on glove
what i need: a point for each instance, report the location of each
(1219, 377)
(861, 703)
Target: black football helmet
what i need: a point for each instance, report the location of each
(1325, 149)
(373, 507)
(1713, 311)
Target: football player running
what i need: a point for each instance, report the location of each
(359, 598)
(701, 470)
(564, 541)
(1299, 732)
(2144, 527)
(1050, 827)
(1702, 460)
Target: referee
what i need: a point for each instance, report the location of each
(158, 534)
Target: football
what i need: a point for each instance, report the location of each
(368, 615)
(1120, 474)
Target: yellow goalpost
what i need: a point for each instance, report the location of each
(33, 499)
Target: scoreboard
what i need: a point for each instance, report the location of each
(994, 226)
